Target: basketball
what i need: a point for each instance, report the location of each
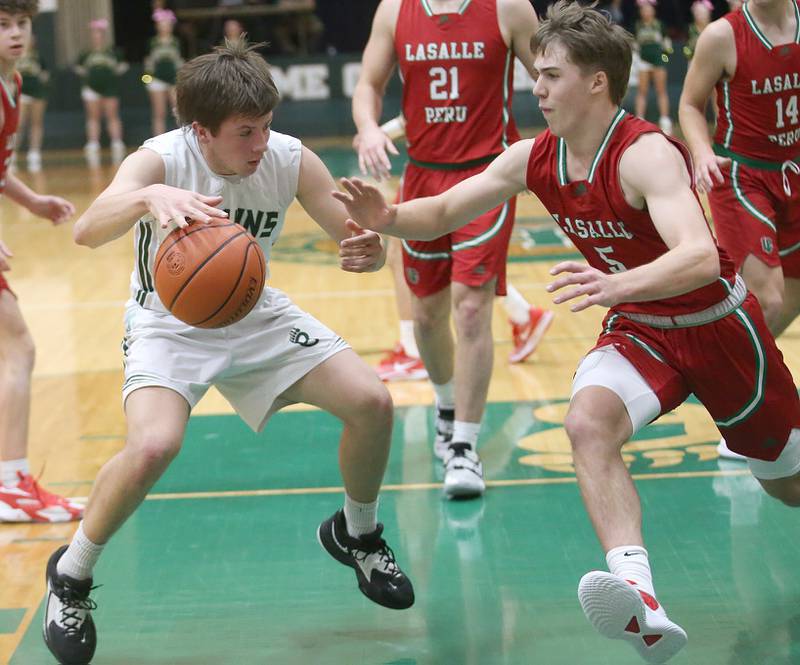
(210, 275)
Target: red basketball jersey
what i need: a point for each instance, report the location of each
(593, 213)
(8, 132)
(458, 77)
(758, 110)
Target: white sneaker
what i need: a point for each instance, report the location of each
(619, 611)
(118, 152)
(463, 472)
(34, 161)
(726, 453)
(92, 153)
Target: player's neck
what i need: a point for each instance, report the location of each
(445, 6)
(213, 164)
(7, 68)
(777, 14)
(584, 142)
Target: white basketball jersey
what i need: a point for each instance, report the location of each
(257, 202)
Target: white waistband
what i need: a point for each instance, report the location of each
(713, 313)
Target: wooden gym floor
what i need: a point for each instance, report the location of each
(220, 565)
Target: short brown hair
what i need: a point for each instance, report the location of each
(26, 7)
(234, 80)
(592, 41)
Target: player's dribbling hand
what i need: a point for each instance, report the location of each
(598, 287)
(365, 204)
(54, 208)
(174, 206)
(363, 251)
(372, 146)
(707, 169)
(5, 254)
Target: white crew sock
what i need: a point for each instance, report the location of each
(80, 558)
(407, 339)
(631, 563)
(464, 432)
(360, 518)
(517, 308)
(445, 395)
(10, 469)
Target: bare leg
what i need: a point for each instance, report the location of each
(598, 425)
(474, 356)
(345, 386)
(641, 93)
(434, 336)
(37, 125)
(767, 285)
(17, 354)
(660, 84)
(158, 107)
(93, 112)
(156, 424)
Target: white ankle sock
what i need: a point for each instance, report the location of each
(10, 468)
(360, 518)
(464, 432)
(517, 308)
(445, 395)
(407, 339)
(631, 563)
(80, 557)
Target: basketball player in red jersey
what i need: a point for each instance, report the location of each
(752, 171)
(622, 192)
(456, 62)
(21, 497)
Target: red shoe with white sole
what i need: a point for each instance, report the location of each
(397, 365)
(30, 502)
(526, 336)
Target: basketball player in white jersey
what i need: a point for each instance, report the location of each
(226, 162)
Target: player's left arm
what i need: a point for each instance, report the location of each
(652, 173)
(518, 23)
(54, 208)
(360, 250)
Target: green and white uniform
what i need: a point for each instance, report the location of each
(34, 76)
(650, 39)
(100, 71)
(256, 359)
(163, 61)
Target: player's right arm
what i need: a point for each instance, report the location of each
(377, 65)
(714, 59)
(431, 217)
(138, 189)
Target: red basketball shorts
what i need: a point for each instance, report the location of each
(472, 255)
(753, 215)
(733, 367)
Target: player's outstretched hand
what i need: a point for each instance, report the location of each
(707, 170)
(363, 251)
(5, 254)
(171, 205)
(54, 208)
(599, 288)
(372, 146)
(365, 204)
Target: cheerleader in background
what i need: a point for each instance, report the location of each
(654, 48)
(161, 68)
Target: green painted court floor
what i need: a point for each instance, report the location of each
(200, 576)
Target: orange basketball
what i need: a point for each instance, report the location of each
(210, 275)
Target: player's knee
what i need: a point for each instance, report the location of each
(373, 407)
(771, 302)
(18, 353)
(787, 492)
(471, 319)
(590, 435)
(152, 453)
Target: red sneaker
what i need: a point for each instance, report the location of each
(526, 336)
(397, 365)
(29, 502)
